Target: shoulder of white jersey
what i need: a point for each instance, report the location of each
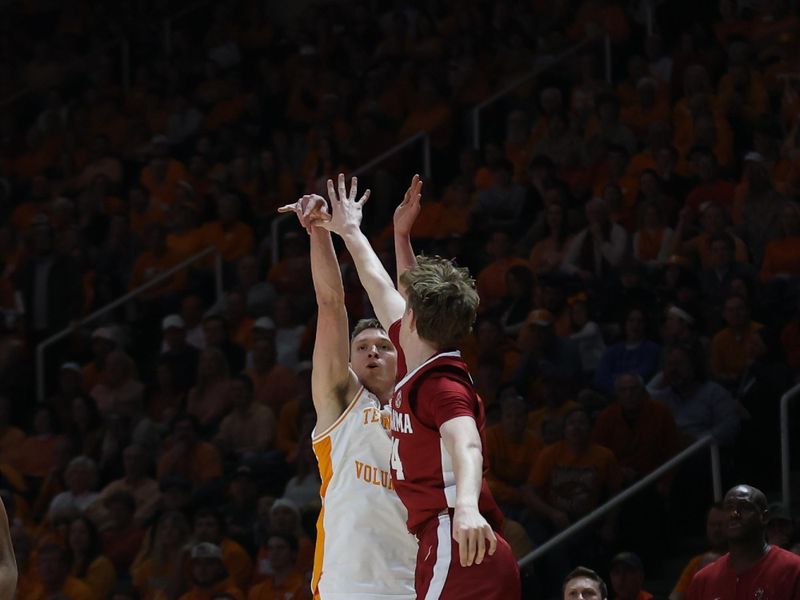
(361, 394)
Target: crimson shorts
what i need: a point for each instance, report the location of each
(440, 576)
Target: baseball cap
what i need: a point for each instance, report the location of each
(206, 550)
(285, 503)
(541, 317)
(628, 558)
(172, 321)
(71, 366)
(264, 323)
(681, 314)
(753, 157)
(243, 471)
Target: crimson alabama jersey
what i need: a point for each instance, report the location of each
(438, 390)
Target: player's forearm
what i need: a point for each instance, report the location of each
(373, 277)
(404, 254)
(468, 469)
(325, 271)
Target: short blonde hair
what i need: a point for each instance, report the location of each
(443, 299)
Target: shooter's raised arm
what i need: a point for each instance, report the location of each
(345, 221)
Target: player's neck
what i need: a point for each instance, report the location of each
(417, 352)
(745, 553)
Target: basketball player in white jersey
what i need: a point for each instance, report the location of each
(363, 549)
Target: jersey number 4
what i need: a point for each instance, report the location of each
(395, 462)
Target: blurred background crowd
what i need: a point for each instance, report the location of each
(631, 212)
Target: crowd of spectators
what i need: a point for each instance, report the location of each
(634, 232)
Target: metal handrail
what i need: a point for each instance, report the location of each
(612, 503)
(278, 221)
(40, 383)
(517, 83)
(790, 395)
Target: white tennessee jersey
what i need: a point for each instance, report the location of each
(363, 548)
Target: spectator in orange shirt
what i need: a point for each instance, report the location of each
(285, 579)
(123, 539)
(155, 569)
(714, 221)
(54, 578)
(737, 346)
(209, 400)
(512, 449)
(249, 429)
(491, 281)
(155, 260)
(209, 527)
(782, 256)
(161, 175)
(207, 574)
(232, 237)
(274, 384)
(89, 564)
(196, 460)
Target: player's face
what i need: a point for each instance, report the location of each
(582, 588)
(374, 359)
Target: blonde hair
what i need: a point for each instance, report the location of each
(443, 299)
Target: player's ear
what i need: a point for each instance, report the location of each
(412, 320)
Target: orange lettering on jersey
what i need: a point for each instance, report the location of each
(371, 415)
(374, 475)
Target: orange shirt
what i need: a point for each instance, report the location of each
(237, 562)
(164, 191)
(140, 221)
(287, 434)
(731, 353)
(575, 483)
(34, 457)
(269, 589)
(781, 257)
(151, 576)
(10, 440)
(650, 243)
(200, 465)
(233, 243)
(227, 586)
(688, 572)
(642, 445)
(187, 243)
(509, 462)
(100, 577)
(73, 588)
(491, 282)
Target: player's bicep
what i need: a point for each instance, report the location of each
(460, 433)
(330, 373)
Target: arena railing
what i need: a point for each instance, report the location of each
(786, 399)
(706, 441)
(421, 136)
(532, 74)
(56, 337)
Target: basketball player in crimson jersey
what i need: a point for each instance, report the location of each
(437, 417)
